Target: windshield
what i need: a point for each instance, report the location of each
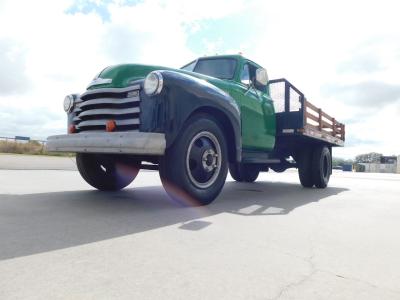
(222, 68)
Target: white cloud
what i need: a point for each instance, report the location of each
(13, 66)
(378, 131)
(47, 53)
(351, 46)
(50, 53)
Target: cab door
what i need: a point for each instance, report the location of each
(257, 112)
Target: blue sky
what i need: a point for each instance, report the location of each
(87, 7)
(343, 55)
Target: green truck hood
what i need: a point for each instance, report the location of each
(124, 75)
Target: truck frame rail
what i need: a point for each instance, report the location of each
(295, 115)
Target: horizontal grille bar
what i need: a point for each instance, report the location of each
(103, 122)
(109, 111)
(109, 101)
(110, 90)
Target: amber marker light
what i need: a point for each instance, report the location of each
(111, 125)
(71, 129)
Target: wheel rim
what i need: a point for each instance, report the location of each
(203, 159)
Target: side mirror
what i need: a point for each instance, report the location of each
(261, 76)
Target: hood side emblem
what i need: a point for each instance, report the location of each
(98, 81)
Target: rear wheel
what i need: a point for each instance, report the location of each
(304, 159)
(107, 172)
(244, 172)
(193, 170)
(321, 166)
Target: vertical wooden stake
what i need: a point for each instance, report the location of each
(319, 119)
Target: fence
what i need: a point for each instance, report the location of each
(21, 145)
(21, 139)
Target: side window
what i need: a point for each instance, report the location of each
(189, 67)
(245, 75)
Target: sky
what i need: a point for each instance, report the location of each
(344, 55)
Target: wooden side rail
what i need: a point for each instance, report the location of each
(315, 118)
(315, 121)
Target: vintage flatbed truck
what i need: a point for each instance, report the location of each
(194, 124)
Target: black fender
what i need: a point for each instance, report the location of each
(181, 97)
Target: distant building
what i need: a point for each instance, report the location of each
(388, 159)
(387, 164)
(398, 164)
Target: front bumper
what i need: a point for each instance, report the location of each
(148, 143)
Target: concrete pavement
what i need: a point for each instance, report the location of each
(60, 239)
(36, 162)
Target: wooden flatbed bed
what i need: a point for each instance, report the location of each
(299, 121)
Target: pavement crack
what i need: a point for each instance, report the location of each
(294, 284)
(313, 270)
(358, 280)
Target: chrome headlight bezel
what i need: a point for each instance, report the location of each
(69, 102)
(153, 83)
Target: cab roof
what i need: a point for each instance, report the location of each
(234, 56)
(237, 56)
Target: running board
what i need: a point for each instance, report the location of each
(255, 157)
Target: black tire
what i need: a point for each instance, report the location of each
(321, 166)
(304, 159)
(244, 172)
(190, 171)
(278, 168)
(107, 172)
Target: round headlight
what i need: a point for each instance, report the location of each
(68, 103)
(153, 83)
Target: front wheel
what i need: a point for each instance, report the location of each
(193, 170)
(107, 172)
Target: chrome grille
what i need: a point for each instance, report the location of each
(96, 107)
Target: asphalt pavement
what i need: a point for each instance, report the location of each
(61, 239)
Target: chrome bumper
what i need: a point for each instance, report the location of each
(108, 142)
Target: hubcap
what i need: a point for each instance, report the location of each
(209, 160)
(203, 159)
